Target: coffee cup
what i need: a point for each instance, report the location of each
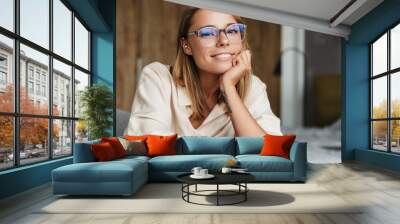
(203, 172)
(196, 170)
(226, 170)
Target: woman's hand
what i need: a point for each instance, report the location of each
(241, 65)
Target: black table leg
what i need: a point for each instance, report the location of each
(243, 189)
(245, 193)
(188, 190)
(182, 190)
(217, 194)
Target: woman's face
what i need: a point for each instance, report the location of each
(216, 58)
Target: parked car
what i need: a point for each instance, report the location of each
(22, 155)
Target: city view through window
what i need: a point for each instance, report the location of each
(39, 113)
(385, 91)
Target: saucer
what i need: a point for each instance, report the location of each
(208, 176)
(240, 171)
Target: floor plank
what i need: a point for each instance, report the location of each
(377, 189)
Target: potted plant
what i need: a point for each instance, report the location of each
(96, 103)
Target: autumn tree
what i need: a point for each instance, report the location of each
(380, 127)
(396, 123)
(6, 122)
(33, 131)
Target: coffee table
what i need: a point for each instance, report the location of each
(238, 179)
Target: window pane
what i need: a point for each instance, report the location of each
(33, 140)
(81, 45)
(62, 138)
(35, 21)
(379, 55)
(379, 100)
(81, 131)
(6, 74)
(81, 81)
(395, 47)
(6, 142)
(62, 89)
(62, 29)
(395, 136)
(379, 135)
(34, 79)
(395, 95)
(7, 14)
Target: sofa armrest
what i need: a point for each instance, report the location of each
(83, 152)
(298, 155)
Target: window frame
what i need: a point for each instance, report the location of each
(16, 115)
(388, 74)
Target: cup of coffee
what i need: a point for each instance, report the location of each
(196, 170)
(226, 170)
(203, 172)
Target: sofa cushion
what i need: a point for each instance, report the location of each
(185, 163)
(277, 145)
(195, 145)
(134, 147)
(115, 170)
(257, 163)
(159, 145)
(132, 159)
(83, 152)
(135, 137)
(249, 145)
(103, 151)
(116, 145)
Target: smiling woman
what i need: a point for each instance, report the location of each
(210, 90)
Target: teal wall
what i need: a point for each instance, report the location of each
(356, 100)
(24, 178)
(103, 53)
(99, 15)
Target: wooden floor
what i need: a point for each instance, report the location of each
(378, 188)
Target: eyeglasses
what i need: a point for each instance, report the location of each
(209, 35)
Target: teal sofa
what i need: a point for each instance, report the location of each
(126, 175)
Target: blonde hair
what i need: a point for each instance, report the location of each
(185, 74)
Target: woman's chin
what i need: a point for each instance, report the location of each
(219, 68)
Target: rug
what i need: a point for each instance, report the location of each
(167, 198)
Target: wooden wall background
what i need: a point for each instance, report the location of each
(146, 32)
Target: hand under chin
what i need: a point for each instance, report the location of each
(221, 68)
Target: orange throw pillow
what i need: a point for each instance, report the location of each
(116, 145)
(135, 137)
(161, 145)
(277, 145)
(103, 151)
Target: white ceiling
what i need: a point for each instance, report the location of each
(320, 9)
(315, 15)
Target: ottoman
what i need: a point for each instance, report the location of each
(118, 177)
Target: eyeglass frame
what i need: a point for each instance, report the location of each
(196, 32)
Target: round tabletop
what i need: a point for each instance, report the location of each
(220, 178)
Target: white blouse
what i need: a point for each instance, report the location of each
(161, 107)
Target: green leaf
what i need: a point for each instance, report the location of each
(96, 102)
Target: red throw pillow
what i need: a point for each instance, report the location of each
(277, 145)
(158, 145)
(103, 151)
(116, 145)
